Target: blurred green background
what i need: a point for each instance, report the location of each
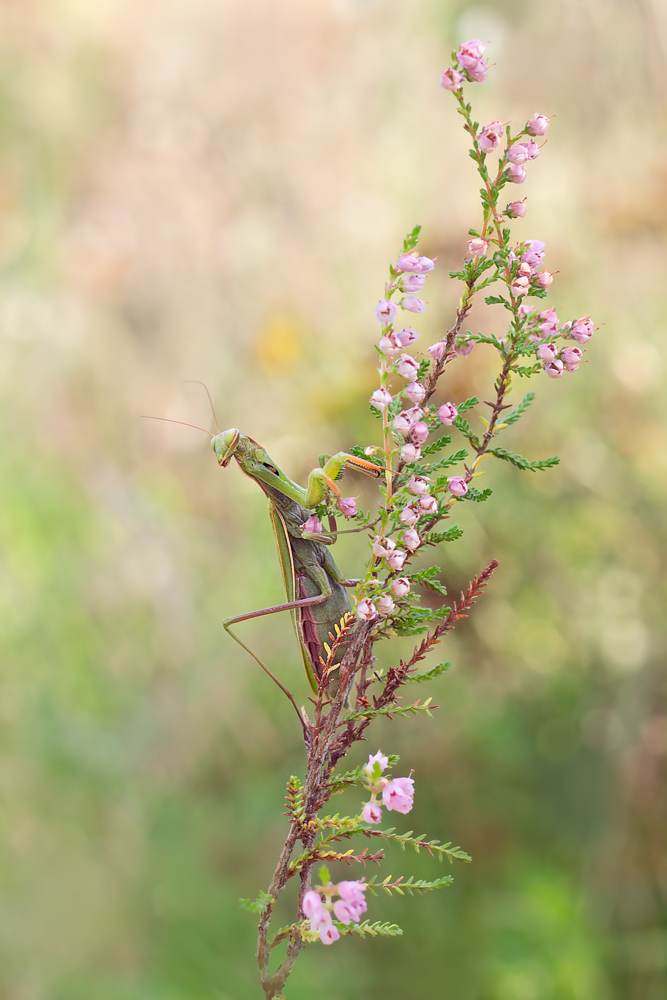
(213, 189)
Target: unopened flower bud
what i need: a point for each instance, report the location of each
(401, 424)
(571, 357)
(457, 486)
(348, 506)
(516, 209)
(549, 323)
(516, 173)
(388, 347)
(419, 432)
(398, 794)
(470, 52)
(396, 559)
(554, 369)
(464, 347)
(312, 903)
(415, 392)
(385, 605)
(411, 540)
(412, 282)
(407, 367)
(372, 813)
(410, 453)
(448, 414)
(400, 587)
(524, 269)
(366, 611)
(409, 516)
(419, 486)
(478, 246)
(313, 526)
(543, 279)
(518, 153)
(385, 311)
(547, 352)
(381, 399)
(582, 330)
(383, 546)
(534, 252)
(538, 124)
(520, 285)
(428, 505)
(451, 79)
(437, 350)
(532, 149)
(413, 304)
(490, 136)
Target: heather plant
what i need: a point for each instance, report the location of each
(424, 472)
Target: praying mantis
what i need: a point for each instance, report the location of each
(314, 586)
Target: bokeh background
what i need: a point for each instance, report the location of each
(213, 189)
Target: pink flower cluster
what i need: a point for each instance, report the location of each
(545, 327)
(527, 276)
(397, 793)
(347, 909)
(473, 67)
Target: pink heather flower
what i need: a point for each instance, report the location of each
(457, 486)
(377, 758)
(520, 285)
(388, 346)
(313, 526)
(448, 414)
(328, 933)
(534, 252)
(478, 72)
(516, 209)
(518, 153)
(548, 321)
(410, 453)
(414, 264)
(524, 269)
(312, 904)
(399, 794)
(372, 813)
(470, 52)
(516, 173)
(381, 399)
(385, 311)
(401, 424)
(385, 605)
(409, 516)
(407, 367)
(437, 350)
(348, 506)
(411, 540)
(383, 546)
(451, 79)
(490, 136)
(366, 611)
(406, 336)
(571, 357)
(547, 352)
(532, 149)
(412, 282)
(396, 559)
(345, 912)
(415, 392)
(582, 330)
(400, 587)
(419, 432)
(464, 347)
(428, 505)
(543, 279)
(554, 369)
(353, 891)
(538, 124)
(478, 246)
(426, 264)
(525, 310)
(413, 415)
(413, 304)
(419, 486)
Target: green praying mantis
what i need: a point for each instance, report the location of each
(314, 586)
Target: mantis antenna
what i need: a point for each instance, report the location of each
(168, 420)
(196, 381)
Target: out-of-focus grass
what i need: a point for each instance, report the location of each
(214, 190)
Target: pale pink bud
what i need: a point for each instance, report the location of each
(457, 486)
(478, 246)
(490, 136)
(344, 912)
(548, 321)
(469, 52)
(538, 124)
(478, 72)
(410, 453)
(525, 310)
(381, 399)
(312, 904)
(411, 540)
(352, 892)
(388, 347)
(400, 587)
(385, 605)
(451, 79)
(377, 758)
(385, 311)
(554, 369)
(313, 526)
(407, 367)
(409, 516)
(419, 432)
(437, 350)
(401, 424)
(413, 415)
(419, 486)
(426, 264)
(366, 611)
(532, 149)
(543, 279)
(520, 285)
(534, 252)
(571, 357)
(524, 269)
(415, 392)
(464, 347)
(372, 813)
(516, 173)
(329, 933)
(518, 153)
(348, 506)
(412, 282)
(413, 304)
(547, 352)
(405, 337)
(428, 505)
(409, 262)
(396, 559)
(399, 794)
(448, 414)
(582, 330)
(516, 209)
(383, 546)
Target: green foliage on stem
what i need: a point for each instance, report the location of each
(259, 905)
(410, 886)
(429, 675)
(524, 463)
(377, 929)
(519, 411)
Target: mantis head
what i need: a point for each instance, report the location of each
(225, 444)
